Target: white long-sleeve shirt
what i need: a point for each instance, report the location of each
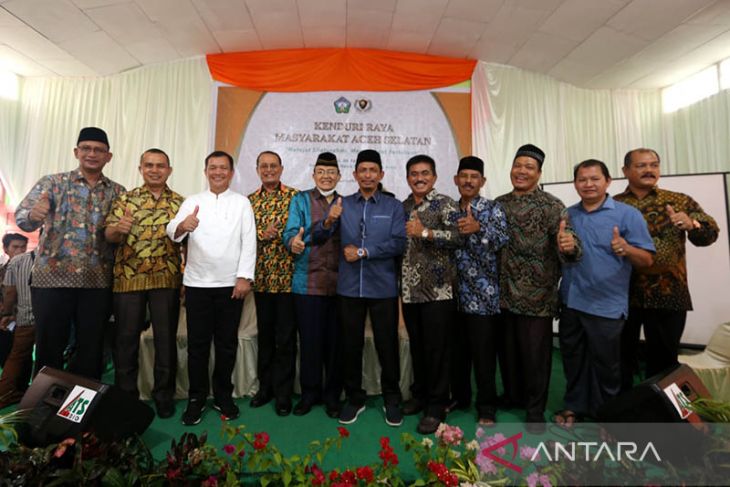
(223, 246)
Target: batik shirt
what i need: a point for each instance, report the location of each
(146, 258)
(428, 271)
(72, 251)
(530, 263)
(274, 265)
(476, 260)
(664, 284)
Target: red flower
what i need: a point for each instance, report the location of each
(348, 477)
(366, 474)
(229, 449)
(211, 481)
(173, 473)
(334, 475)
(261, 440)
(343, 432)
(241, 453)
(384, 442)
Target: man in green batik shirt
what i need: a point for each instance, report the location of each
(540, 238)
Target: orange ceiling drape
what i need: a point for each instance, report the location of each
(331, 69)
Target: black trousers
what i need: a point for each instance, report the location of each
(212, 316)
(277, 344)
(384, 319)
(591, 350)
(318, 348)
(6, 344)
(475, 342)
(663, 330)
(55, 309)
(527, 359)
(130, 310)
(429, 332)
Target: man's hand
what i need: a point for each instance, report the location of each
(271, 231)
(680, 219)
(190, 223)
(124, 226)
(334, 213)
(618, 244)
(414, 227)
(241, 289)
(5, 321)
(468, 224)
(297, 244)
(350, 252)
(566, 240)
(40, 209)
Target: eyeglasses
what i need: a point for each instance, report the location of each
(86, 149)
(328, 172)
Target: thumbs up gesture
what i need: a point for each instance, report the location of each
(125, 222)
(414, 227)
(468, 224)
(680, 219)
(40, 209)
(566, 240)
(297, 242)
(334, 213)
(190, 223)
(618, 244)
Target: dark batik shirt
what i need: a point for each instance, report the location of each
(476, 259)
(428, 272)
(274, 265)
(72, 251)
(530, 262)
(664, 284)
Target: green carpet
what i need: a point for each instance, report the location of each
(293, 434)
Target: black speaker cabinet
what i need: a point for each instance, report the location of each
(659, 399)
(62, 405)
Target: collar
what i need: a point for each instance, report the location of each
(375, 197)
(77, 175)
(318, 195)
(165, 191)
(224, 193)
(608, 203)
(628, 192)
(263, 190)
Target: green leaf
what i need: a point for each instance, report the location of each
(286, 477)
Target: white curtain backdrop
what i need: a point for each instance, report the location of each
(169, 106)
(166, 106)
(512, 107)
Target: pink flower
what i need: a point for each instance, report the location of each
(229, 449)
(526, 453)
(449, 435)
(532, 479)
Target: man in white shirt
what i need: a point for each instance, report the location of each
(221, 259)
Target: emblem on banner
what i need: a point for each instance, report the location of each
(363, 105)
(342, 105)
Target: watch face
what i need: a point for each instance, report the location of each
(360, 252)
(424, 233)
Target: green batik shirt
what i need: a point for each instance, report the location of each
(530, 262)
(274, 263)
(146, 258)
(664, 284)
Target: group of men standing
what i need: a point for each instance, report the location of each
(478, 279)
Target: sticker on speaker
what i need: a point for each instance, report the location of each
(77, 404)
(678, 398)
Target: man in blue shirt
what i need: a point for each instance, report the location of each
(595, 291)
(372, 230)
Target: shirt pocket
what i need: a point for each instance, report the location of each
(379, 227)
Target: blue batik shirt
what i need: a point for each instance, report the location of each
(476, 260)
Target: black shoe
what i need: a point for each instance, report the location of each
(165, 409)
(303, 407)
(260, 399)
(333, 409)
(227, 408)
(393, 415)
(411, 407)
(283, 408)
(428, 425)
(350, 412)
(193, 412)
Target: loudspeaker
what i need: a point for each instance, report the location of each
(61, 405)
(659, 399)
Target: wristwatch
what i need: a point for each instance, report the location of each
(424, 233)
(361, 253)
